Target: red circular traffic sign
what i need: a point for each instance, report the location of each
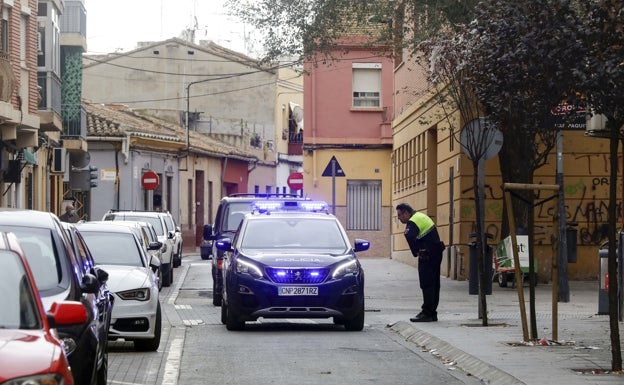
(295, 181)
(149, 180)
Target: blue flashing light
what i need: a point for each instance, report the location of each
(314, 206)
(265, 206)
(290, 205)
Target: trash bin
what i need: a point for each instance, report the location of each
(473, 273)
(571, 235)
(603, 278)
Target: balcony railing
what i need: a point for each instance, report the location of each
(74, 122)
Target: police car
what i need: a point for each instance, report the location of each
(292, 259)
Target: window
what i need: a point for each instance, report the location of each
(23, 39)
(363, 205)
(366, 85)
(5, 30)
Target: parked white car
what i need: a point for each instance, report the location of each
(136, 314)
(164, 235)
(177, 238)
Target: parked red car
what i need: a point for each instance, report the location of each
(30, 351)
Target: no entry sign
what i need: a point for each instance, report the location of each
(149, 180)
(295, 181)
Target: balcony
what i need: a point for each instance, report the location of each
(7, 78)
(74, 25)
(74, 129)
(295, 143)
(49, 102)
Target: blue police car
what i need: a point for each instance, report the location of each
(292, 260)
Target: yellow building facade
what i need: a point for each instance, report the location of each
(433, 175)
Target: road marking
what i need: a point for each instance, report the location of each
(172, 366)
(183, 307)
(193, 322)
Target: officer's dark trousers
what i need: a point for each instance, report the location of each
(429, 276)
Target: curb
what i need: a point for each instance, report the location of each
(487, 373)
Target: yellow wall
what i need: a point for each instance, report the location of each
(586, 173)
(357, 164)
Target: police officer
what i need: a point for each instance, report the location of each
(424, 242)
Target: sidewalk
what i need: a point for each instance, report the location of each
(497, 354)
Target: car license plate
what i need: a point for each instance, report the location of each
(297, 290)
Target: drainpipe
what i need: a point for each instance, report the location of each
(223, 167)
(313, 118)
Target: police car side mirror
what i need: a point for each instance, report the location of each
(224, 244)
(361, 245)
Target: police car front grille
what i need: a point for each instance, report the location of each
(297, 275)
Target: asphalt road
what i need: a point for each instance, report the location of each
(197, 349)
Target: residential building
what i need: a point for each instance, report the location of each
(126, 145)
(20, 162)
(433, 175)
(289, 124)
(204, 86)
(347, 140)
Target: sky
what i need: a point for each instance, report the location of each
(118, 25)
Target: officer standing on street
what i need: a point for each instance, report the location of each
(424, 242)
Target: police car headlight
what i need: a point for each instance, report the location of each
(348, 267)
(244, 267)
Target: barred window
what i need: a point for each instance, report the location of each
(364, 205)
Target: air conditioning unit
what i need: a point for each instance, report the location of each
(59, 157)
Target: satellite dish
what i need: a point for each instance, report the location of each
(296, 114)
(79, 159)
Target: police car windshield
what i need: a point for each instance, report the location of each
(234, 215)
(293, 233)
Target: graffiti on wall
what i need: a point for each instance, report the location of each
(582, 206)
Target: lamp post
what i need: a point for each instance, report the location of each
(188, 106)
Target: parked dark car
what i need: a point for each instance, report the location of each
(30, 353)
(285, 263)
(61, 275)
(229, 215)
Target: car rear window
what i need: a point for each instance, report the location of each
(40, 253)
(155, 221)
(17, 302)
(169, 222)
(234, 214)
(110, 248)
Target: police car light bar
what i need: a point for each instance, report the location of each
(289, 205)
